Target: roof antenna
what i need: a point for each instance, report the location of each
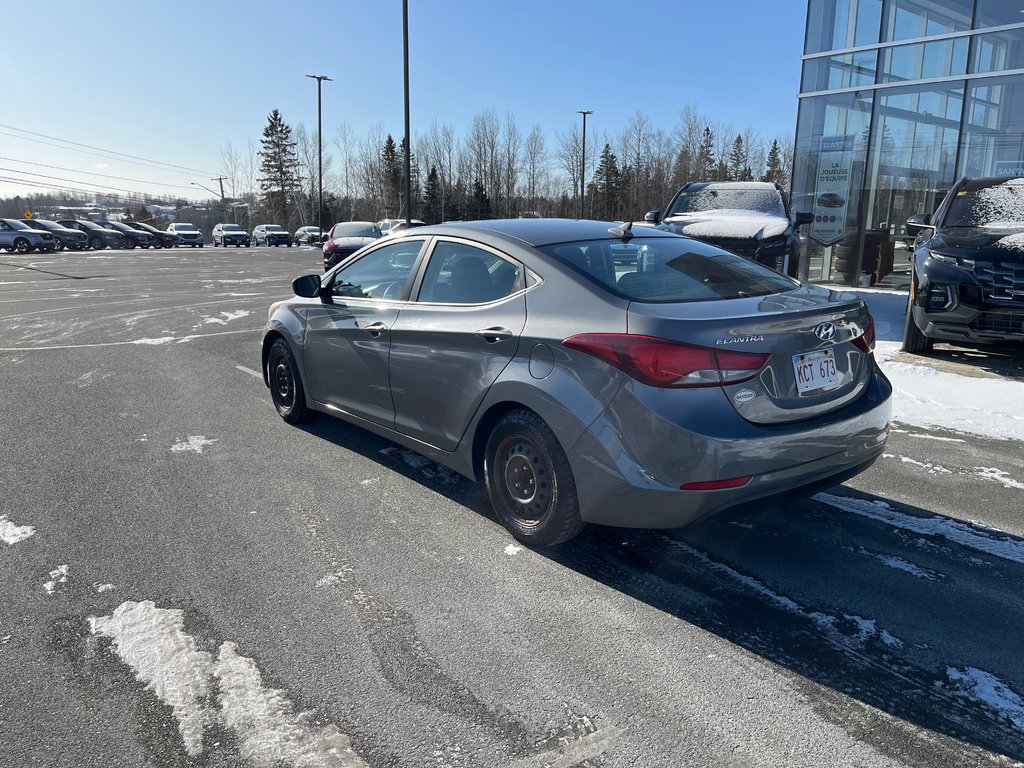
(624, 232)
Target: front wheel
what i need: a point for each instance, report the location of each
(21, 245)
(914, 340)
(285, 383)
(58, 245)
(96, 243)
(530, 482)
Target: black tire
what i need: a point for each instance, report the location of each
(21, 245)
(286, 388)
(129, 245)
(914, 340)
(58, 245)
(530, 482)
(96, 243)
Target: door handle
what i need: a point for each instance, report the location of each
(376, 329)
(494, 335)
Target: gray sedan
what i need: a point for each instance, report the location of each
(519, 353)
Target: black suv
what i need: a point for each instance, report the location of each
(749, 218)
(968, 276)
(230, 234)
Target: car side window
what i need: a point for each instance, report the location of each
(381, 274)
(462, 274)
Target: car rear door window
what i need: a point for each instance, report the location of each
(459, 273)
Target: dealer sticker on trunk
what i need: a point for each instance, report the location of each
(815, 371)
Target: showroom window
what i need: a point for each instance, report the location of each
(833, 25)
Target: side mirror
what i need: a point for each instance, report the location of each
(652, 217)
(307, 286)
(919, 223)
(802, 218)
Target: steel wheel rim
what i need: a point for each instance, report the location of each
(525, 479)
(284, 384)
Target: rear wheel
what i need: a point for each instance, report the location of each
(530, 482)
(285, 383)
(21, 245)
(58, 244)
(96, 243)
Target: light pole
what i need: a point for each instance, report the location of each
(583, 159)
(408, 153)
(320, 151)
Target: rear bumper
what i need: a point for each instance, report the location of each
(629, 465)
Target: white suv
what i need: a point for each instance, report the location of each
(187, 234)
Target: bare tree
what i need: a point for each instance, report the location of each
(231, 167)
(511, 149)
(568, 155)
(344, 140)
(536, 162)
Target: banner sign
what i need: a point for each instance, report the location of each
(832, 188)
(1009, 168)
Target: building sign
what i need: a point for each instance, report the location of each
(832, 189)
(1009, 167)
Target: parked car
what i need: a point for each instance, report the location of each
(133, 237)
(271, 234)
(513, 352)
(231, 234)
(99, 237)
(967, 283)
(187, 234)
(394, 226)
(347, 237)
(16, 236)
(309, 236)
(63, 237)
(749, 218)
(158, 237)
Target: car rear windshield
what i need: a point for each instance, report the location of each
(998, 205)
(763, 200)
(669, 269)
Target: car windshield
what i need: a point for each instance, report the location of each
(231, 228)
(355, 229)
(760, 199)
(669, 269)
(274, 228)
(998, 206)
(15, 224)
(184, 227)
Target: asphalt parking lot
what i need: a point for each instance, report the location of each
(204, 584)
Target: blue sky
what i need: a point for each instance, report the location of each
(175, 82)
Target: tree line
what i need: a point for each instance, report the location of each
(492, 170)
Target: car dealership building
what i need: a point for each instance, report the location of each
(898, 99)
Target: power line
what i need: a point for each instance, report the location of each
(92, 173)
(54, 187)
(101, 149)
(73, 181)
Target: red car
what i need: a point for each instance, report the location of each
(347, 237)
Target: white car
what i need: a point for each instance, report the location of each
(15, 236)
(394, 226)
(187, 234)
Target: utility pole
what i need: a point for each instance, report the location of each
(221, 180)
(408, 152)
(583, 158)
(320, 151)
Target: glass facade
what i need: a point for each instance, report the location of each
(899, 99)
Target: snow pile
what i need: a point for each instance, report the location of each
(11, 533)
(194, 443)
(983, 687)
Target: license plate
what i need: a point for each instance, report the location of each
(815, 371)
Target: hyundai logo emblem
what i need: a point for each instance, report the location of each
(825, 331)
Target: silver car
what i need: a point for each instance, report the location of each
(577, 389)
(16, 236)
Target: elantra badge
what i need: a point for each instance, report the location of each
(825, 331)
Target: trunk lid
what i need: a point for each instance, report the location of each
(815, 367)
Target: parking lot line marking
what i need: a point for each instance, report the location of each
(250, 371)
(133, 342)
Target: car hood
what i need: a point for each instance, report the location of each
(352, 242)
(726, 223)
(988, 243)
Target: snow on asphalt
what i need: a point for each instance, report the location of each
(11, 533)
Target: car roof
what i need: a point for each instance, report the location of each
(536, 232)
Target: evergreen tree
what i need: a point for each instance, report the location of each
(738, 160)
(278, 164)
(721, 172)
(682, 170)
(432, 198)
(705, 167)
(606, 186)
(774, 171)
(480, 203)
(391, 169)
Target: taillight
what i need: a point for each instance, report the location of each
(866, 341)
(664, 363)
